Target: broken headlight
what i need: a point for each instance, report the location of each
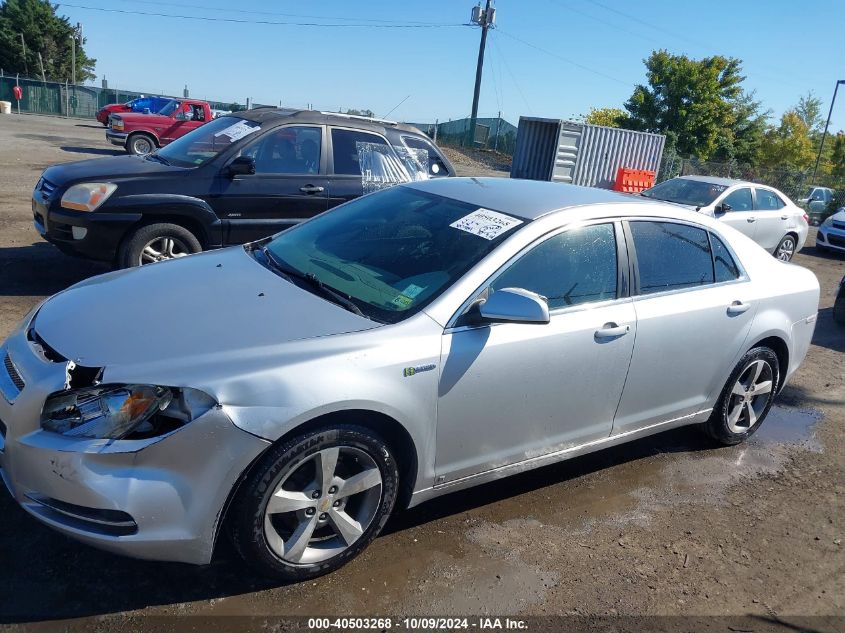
(105, 411)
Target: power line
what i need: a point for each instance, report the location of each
(628, 16)
(267, 22)
(565, 59)
(276, 13)
(510, 72)
(572, 9)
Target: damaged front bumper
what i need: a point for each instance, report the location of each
(158, 498)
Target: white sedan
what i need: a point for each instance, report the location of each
(763, 213)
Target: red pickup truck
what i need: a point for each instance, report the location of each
(143, 133)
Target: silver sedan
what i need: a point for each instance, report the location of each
(416, 341)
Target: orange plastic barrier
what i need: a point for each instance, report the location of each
(633, 180)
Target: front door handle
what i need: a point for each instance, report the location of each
(311, 189)
(738, 307)
(611, 330)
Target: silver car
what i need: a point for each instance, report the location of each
(763, 213)
(413, 342)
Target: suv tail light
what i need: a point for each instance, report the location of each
(806, 218)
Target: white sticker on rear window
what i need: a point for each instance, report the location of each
(238, 130)
(486, 223)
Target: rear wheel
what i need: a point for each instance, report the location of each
(315, 502)
(140, 144)
(746, 398)
(786, 248)
(156, 243)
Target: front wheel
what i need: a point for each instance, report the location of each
(140, 144)
(786, 248)
(315, 502)
(156, 243)
(746, 398)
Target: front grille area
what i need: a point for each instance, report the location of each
(13, 373)
(46, 187)
(836, 240)
(839, 225)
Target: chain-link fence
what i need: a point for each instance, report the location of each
(48, 97)
(490, 133)
(797, 184)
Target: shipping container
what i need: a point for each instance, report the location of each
(581, 153)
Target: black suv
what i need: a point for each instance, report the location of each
(236, 179)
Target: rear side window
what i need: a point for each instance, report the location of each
(345, 150)
(768, 200)
(723, 264)
(671, 256)
(436, 166)
(578, 266)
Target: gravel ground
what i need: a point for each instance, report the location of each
(669, 525)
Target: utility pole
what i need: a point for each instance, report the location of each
(41, 63)
(826, 125)
(23, 46)
(485, 18)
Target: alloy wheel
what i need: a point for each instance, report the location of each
(786, 249)
(161, 249)
(750, 396)
(323, 505)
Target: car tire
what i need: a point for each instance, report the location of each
(746, 398)
(839, 310)
(786, 248)
(140, 144)
(309, 536)
(157, 242)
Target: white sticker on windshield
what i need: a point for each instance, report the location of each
(238, 130)
(412, 291)
(486, 223)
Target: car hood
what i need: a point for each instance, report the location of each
(202, 306)
(98, 169)
(839, 216)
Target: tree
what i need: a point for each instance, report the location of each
(609, 117)
(697, 104)
(809, 110)
(788, 145)
(837, 156)
(354, 112)
(43, 32)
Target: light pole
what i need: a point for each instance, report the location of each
(824, 135)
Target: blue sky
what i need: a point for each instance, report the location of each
(592, 51)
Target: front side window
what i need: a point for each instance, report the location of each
(205, 142)
(394, 252)
(671, 256)
(287, 150)
(739, 200)
(578, 266)
(768, 200)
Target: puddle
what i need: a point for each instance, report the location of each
(788, 425)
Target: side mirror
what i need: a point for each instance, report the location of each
(242, 166)
(514, 305)
(723, 208)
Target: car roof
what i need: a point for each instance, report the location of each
(528, 199)
(287, 115)
(727, 182)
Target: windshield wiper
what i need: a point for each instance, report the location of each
(312, 280)
(158, 158)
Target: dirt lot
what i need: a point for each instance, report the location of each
(670, 525)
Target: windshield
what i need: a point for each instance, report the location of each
(204, 143)
(694, 193)
(393, 252)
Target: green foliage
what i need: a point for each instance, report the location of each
(698, 104)
(43, 32)
(609, 117)
(788, 144)
(367, 113)
(837, 156)
(809, 110)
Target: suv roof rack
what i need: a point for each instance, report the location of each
(361, 118)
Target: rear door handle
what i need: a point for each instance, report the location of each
(750, 219)
(784, 217)
(738, 307)
(611, 330)
(311, 189)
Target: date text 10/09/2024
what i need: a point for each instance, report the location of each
(418, 624)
